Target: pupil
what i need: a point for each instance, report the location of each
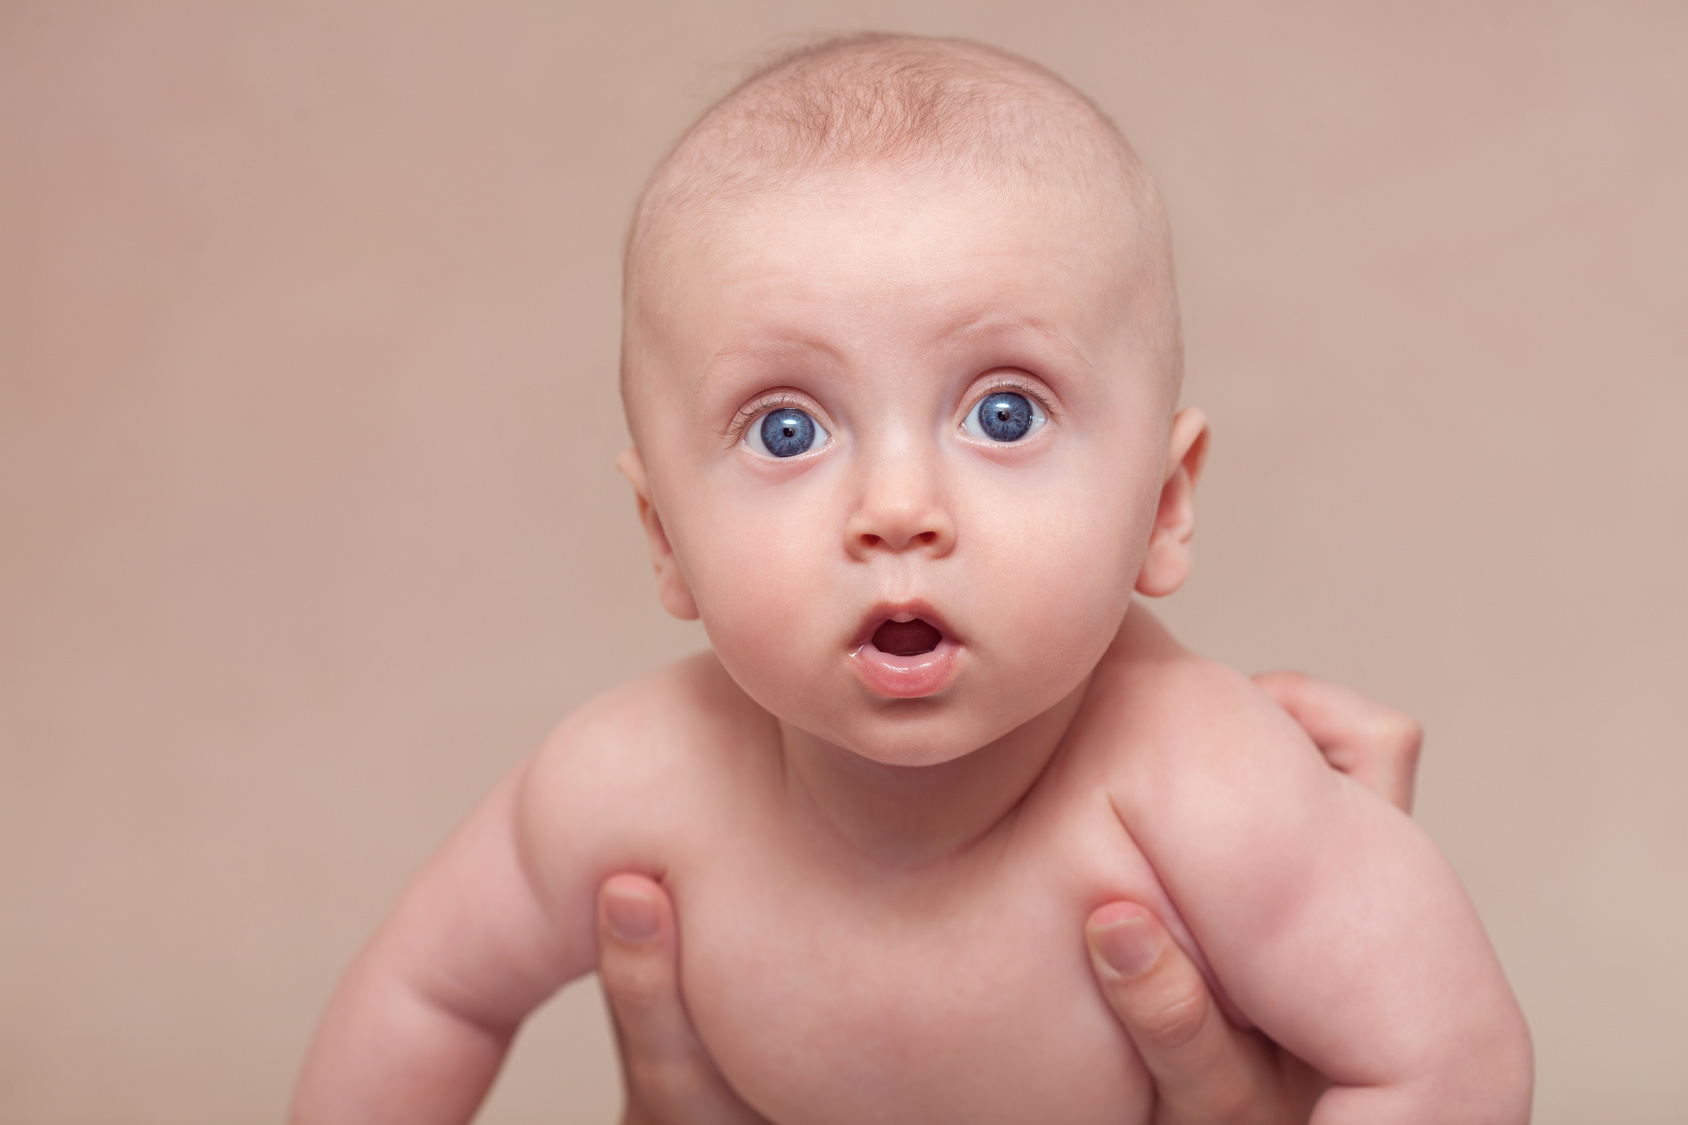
(788, 432)
(1005, 416)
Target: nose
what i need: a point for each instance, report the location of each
(901, 508)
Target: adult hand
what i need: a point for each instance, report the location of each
(1375, 745)
(671, 1080)
(1205, 1070)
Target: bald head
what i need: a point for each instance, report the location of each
(911, 106)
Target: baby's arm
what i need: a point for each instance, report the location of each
(1330, 919)
(421, 1021)
(418, 1027)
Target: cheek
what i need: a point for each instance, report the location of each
(1054, 577)
(760, 574)
(1057, 564)
(1059, 540)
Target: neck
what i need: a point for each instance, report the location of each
(906, 816)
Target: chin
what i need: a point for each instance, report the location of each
(911, 757)
(917, 733)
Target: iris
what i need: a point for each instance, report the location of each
(1004, 416)
(787, 432)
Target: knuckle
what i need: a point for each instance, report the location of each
(634, 989)
(1172, 1020)
(1396, 733)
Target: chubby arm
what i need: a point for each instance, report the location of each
(1329, 917)
(418, 1027)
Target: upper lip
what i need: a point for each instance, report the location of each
(885, 611)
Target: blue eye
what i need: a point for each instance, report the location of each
(785, 432)
(1004, 416)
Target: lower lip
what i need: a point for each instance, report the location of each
(906, 677)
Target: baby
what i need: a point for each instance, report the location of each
(901, 363)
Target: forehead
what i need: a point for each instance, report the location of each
(882, 260)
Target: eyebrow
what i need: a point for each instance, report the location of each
(764, 353)
(984, 329)
(968, 332)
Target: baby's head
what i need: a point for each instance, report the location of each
(901, 361)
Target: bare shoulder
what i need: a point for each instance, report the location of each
(1173, 722)
(649, 728)
(1327, 915)
(617, 778)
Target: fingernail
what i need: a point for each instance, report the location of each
(1129, 945)
(631, 915)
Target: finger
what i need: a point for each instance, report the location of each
(1205, 1070)
(670, 1077)
(1377, 746)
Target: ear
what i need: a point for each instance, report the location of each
(671, 585)
(1167, 563)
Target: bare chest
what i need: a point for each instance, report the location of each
(962, 993)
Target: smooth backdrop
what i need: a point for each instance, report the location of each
(309, 528)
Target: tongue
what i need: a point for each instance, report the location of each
(906, 638)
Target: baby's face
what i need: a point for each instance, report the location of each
(907, 442)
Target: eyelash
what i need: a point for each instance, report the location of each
(759, 406)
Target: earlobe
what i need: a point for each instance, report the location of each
(671, 587)
(1167, 562)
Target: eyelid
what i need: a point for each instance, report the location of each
(772, 400)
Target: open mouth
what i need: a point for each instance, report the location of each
(906, 638)
(906, 659)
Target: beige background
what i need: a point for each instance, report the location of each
(310, 528)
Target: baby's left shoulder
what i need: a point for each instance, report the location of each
(1160, 717)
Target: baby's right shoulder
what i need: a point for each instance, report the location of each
(687, 716)
(630, 781)
(626, 773)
